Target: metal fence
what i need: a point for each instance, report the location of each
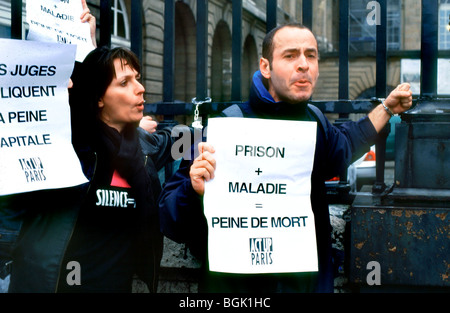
(343, 106)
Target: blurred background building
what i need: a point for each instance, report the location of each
(403, 40)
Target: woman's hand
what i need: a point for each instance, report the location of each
(86, 16)
(148, 124)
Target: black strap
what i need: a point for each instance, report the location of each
(320, 118)
(235, 111)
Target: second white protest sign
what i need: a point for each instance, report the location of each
(258, 205)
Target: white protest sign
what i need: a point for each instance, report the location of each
(59, 21)
(36, 151)
(258, 205)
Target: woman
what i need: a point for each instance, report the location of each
(104, 232)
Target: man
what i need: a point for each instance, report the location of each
(281, 88)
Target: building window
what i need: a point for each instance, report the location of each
(393, 24)
(444, 25)
(363, 35)
(121, 28)
(5, 31)
(5, 20)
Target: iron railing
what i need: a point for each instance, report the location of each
(343, 106)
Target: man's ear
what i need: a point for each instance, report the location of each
(264, 68)
(100, 103)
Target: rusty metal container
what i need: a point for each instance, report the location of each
(410, 244)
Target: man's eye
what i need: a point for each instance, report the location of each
(123, 83)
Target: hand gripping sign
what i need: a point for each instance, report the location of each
(35, 130)
(258, 205)
(59, 21)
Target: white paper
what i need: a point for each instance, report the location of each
(35, 129)
(59, 21)
(258, 205)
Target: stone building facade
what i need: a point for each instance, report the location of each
(403, 32)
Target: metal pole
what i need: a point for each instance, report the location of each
(16, 19)
(307, 13)
(271, 15)
(169, 51)
(381, 65)
(202, 49)
(105, 23)
(169, 66)
(236, 66)
(381, 57)
(136, 28)
(343, 65)
(429, 49)
(343, 49)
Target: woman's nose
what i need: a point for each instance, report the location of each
(140, 88)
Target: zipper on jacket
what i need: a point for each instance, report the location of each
(74, 225)
(154, 283)
(93, 174)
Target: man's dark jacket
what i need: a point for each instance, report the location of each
(181, 210)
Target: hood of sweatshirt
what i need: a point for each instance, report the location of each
(264, 106)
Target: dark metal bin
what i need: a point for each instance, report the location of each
(405, 229)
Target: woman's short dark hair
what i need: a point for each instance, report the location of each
(91, 78)
(98, 69)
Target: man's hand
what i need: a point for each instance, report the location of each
(400, 99)
(203, 167)
(148, 124)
